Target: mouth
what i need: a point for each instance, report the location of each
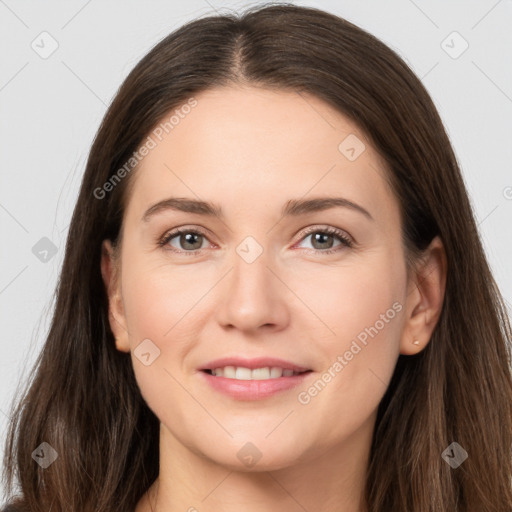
(253, 380)
(262, 373)
(259, 368)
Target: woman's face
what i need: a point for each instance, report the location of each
(265, 282)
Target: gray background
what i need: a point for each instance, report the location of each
(51, 108)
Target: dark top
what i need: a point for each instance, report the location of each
(9, 508)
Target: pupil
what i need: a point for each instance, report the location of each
(189, 238)
(318, 237)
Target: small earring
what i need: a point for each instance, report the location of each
(416, 342)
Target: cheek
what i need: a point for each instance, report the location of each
(161, 300)
(365, 311)
(361, 318)
(161, 311)
(347, 301)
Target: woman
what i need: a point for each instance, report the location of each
(209, 352)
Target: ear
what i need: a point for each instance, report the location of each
(111, 279)
(425, 297)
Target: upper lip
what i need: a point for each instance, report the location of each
(258, 362)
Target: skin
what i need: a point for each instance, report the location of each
(250, 150)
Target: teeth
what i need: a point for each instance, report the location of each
(241, 373)
(260, 373)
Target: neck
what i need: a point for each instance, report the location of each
(331, 480)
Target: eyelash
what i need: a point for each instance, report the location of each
(327, 230)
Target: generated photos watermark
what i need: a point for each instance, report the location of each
(361, 341)
(150, 143)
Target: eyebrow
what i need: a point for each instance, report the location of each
(293, 207)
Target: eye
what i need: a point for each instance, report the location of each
(322, 239)
(190, 240)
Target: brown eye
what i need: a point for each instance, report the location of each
(322, 239)
(191, 241)
(187, 240)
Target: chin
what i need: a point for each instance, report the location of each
(251, 457)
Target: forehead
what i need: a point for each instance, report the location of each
(248, 147)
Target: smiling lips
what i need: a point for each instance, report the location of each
(253, 379)
(241, 373)
(239, 368)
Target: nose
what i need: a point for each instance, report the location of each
(253, 296)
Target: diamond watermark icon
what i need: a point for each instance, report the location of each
(44, 45)
(249, 249)
(351, 147)
(454, 45)
(146, 352)
(44, 455)
(454, 455)
(44, 250)
(249, 454)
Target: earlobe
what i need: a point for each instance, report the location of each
(424, 302)
(109, 272)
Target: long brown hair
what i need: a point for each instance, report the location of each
(83, 399)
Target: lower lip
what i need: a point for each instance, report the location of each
(253, 389)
